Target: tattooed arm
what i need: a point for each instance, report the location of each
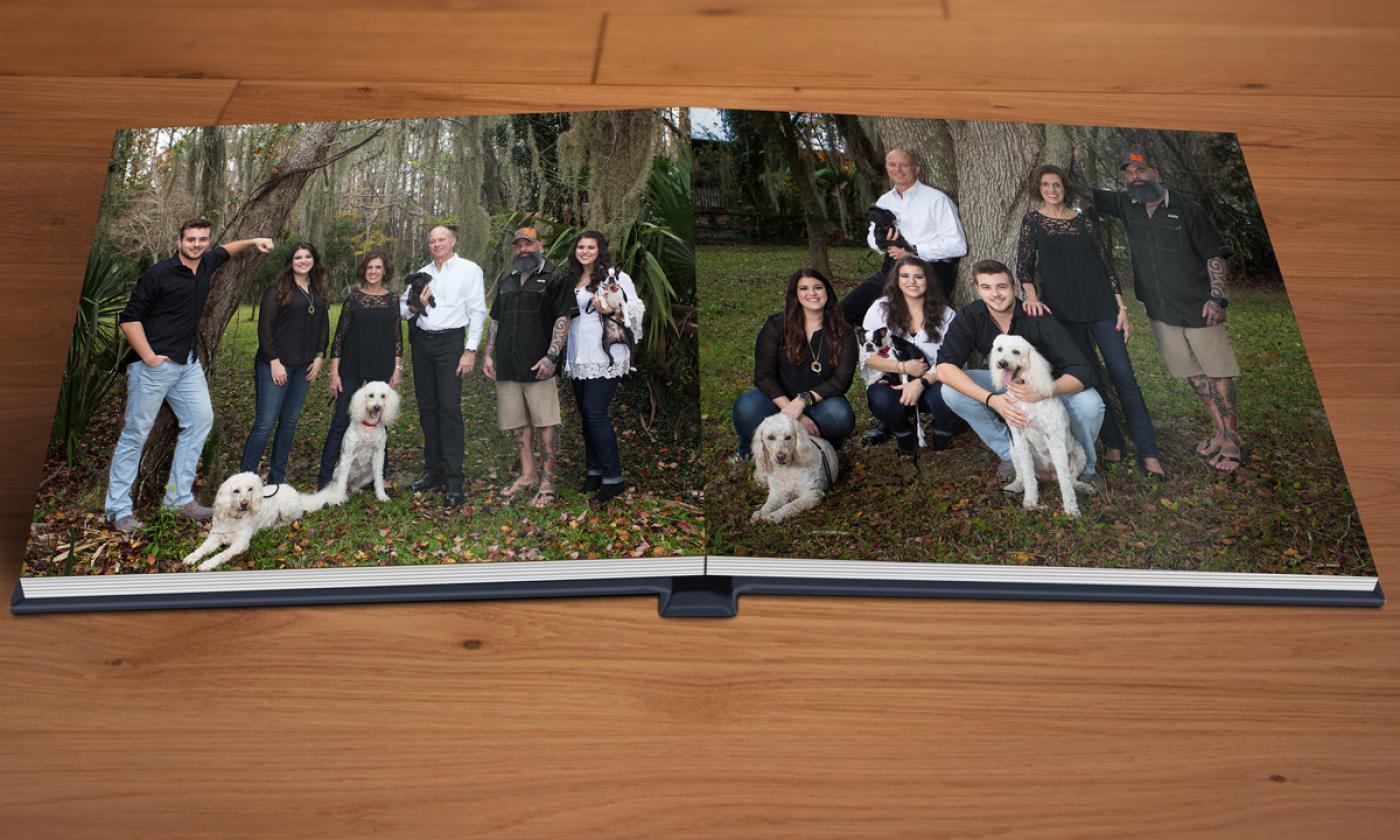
(488, 365)
(1213, 312)
(545, 367)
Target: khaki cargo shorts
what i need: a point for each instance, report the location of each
(527, 404)
(1193, 351)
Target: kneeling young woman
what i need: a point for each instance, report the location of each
(804, 360)
(916, 312)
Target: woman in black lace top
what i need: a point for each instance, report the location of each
(1065, 271)
(368, 347)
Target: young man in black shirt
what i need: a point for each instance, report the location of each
(160, 322)
(529, 324)
(973, 395)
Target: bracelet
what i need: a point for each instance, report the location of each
(988, 401)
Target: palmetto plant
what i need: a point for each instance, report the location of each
(95, 354)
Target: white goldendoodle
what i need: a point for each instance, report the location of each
(1045, 448)
(796, 468)
(242, 507)
(373, 408)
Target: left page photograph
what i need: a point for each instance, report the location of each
(374, 360)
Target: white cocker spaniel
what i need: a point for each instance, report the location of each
(796, 468)
(1046, 448)
(373, 408)
(242, 507)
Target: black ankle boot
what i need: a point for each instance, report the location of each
(591, 483)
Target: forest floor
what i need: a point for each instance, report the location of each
(660, 517)
(1288, 510)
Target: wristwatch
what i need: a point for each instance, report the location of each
(806, 397)
(1220, 301)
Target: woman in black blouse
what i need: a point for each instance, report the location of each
(368, 347)
(803, 363)
(293, 326)
(1065, 271)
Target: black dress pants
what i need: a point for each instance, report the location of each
(439, 392)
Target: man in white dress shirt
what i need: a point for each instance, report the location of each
(928, 221)
(444, 350)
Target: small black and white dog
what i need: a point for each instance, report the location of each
(617, 327)
(882, 342)
(885, 222)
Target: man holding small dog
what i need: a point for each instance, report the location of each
(161, 323)
(444, 350)
(927, 220)
(970, 393)
(529, 325)
(1179, 275)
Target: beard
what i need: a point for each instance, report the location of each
(1145, 192)
(527, 263)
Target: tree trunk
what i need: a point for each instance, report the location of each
(812, 210)
(265, 214)
(994, 159)
(870, 164)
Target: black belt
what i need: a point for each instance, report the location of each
(442, 332)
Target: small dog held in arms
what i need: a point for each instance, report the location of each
(884, 222)
(373, 409)
(796, 468)
(1046, 448)
(617, 327)
(417, 282)
(242, 507)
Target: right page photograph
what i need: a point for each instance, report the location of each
(984, 351)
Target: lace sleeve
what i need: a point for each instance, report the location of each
(342, 324)
(636, 307)
(1025, 253)
(1101, 248)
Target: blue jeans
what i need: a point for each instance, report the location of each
(884, 404)
(340, 421)
(1085, 418)
(1120, 373)
(833, 417)
(593, 396)
(184, 387)
(279, 407)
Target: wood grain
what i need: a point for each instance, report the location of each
(803, 717)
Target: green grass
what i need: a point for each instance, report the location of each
(1288, 510)
(662, 517)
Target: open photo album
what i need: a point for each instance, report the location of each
(690, 353)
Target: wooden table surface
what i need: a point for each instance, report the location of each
(803, 717)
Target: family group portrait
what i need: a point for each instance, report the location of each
(999, 343)
(442, 340)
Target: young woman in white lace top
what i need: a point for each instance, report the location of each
(596, 360)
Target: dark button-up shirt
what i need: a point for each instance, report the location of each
(974, 329)
(168, 301)
(1170, 249)
(293, 334)
(776, 375)
(525, 314)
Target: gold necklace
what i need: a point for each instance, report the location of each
(310, 303)
(816, 354)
